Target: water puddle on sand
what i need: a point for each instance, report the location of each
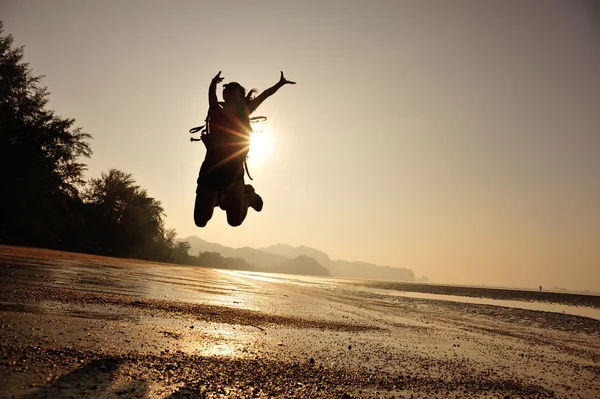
(583, 311)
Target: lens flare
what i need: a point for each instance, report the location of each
(261, 147)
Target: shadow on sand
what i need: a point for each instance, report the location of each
(95, 378)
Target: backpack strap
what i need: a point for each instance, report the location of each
(247, 171)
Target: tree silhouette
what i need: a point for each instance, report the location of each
(45, 201)
(39, 158)
(125, 221)
(181, 252)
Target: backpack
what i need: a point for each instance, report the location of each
(220, 136)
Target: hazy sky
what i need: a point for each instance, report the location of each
(460, 139)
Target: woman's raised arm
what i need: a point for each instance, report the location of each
(268, 93)
(212, 90)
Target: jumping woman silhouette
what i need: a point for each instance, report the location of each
(221, 177)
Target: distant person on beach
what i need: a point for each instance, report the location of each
(540, 288)
(221, 177)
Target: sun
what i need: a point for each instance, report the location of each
(261, 147)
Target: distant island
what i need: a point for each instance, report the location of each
(301, 264)
(283, 258)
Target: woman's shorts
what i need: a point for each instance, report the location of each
(217, 177)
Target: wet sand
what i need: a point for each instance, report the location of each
(83, 326)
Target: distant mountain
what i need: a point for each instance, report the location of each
(342, 268)
(253, 256)
(279, 249)
(292, 252)
(200, 245)
(277, 257)
(301, 265)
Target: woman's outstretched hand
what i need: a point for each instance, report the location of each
(218, 78)
(284, 81)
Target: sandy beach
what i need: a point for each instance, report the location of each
(84, 326)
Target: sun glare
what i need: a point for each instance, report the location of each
(261, 147)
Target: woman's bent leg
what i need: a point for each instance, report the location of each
(236, 203)
(204, 205)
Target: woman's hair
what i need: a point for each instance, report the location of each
(236, 85)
